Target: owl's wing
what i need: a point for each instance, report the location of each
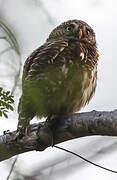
(42, 56)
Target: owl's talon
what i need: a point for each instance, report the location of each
(51, 123)
(52, 143)
(45, 136)
(22, 131)
(6, 132)
(51, 117)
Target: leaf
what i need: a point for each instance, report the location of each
(5, 115)
(7, 93)
(5, 102)
(0, 113)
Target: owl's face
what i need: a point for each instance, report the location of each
(76, 29)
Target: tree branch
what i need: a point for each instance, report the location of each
(70, 127)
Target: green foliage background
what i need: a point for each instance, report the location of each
(6, 101)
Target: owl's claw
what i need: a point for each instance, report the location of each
(46, 132)
(45, 136)
(6, 132)
(51, 122)
(53, 141)
(22, 131)
(51, 118)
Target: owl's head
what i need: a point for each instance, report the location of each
(76, 29)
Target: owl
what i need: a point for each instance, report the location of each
(59, 77)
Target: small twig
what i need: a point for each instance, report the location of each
(3, 37)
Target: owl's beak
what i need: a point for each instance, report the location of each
(80, 33)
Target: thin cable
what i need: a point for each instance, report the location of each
(85, 159)
(12, 167)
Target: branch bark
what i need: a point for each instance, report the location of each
(69, 127)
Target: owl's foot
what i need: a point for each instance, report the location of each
(51, 118)
(45, 136)
(46, 133)
(22, 131)
(52, 122)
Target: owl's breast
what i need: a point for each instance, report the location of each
(60, 82)
(64, 89)
(80, 85)
(89, 84)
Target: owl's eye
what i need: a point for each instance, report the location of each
(70, 27)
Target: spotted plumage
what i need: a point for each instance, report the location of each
(60, 76)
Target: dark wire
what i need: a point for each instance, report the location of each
(85, 159)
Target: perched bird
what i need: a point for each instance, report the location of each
(60, 77)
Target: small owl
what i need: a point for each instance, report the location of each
(60, 77)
